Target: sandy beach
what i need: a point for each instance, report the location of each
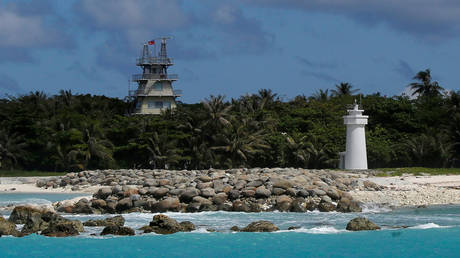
(28, 185)
(411, 190)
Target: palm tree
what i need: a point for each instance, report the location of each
(66, 97)
(426, 87)
(11, 149)
(432, 150)
(344, 89)
(321, 95)
(318, 156)
(241, 143)
(217, 111)
(297, 149)
(93, 150)
(163, 151)
(267, 97)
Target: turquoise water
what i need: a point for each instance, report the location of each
(35, 198)
(396, 243)
(431, 232)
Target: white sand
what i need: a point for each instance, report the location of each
(31, 188)
(412, 190)
(27, 185)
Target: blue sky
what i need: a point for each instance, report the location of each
(229, 47)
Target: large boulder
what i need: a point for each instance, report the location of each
(325, 206)
(98, 203)
(168, 204)
(117, 230)
(299, 205)
(262, 192)
(347, 205)
(240, 206)
(283, 203)
(7, 227)
(360, 223)
(48, 219)
(124, 204)
(61, 228)
(187, 226)
(219, 198)
(282, 183)
(117, 221)
(162, 224)
(208, 192)
(103, 193)
(333, 194)
(21, 214)
(233, 194)
(160, 192)
(260, 226)
(188, 195)
(82, 207)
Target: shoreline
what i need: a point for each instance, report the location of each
(395, 192)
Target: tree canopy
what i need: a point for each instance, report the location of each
(68, 132)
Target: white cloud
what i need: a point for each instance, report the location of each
(22, 31)
(424, 18)
(135, 14)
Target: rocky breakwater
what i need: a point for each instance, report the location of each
(243, 190)
(44, 221)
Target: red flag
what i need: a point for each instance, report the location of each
(151, 42)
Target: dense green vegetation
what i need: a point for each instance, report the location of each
(69, 132)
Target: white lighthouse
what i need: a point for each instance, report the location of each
(355, 154)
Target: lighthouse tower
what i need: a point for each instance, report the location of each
(355, 154)
(155, 91)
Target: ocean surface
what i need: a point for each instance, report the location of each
(431, 232)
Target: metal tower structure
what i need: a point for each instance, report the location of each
(155, 91)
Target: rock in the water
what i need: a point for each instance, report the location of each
(299, 205)
(82, 206)
(162, 224)
(326, 207)
(21, 214)
(283, 203)
(117, 230)
(117, 221)
(52, 222)
(347, 205)
(193, 207)
(260, 226)
(7, 227)
(240, 206)
(187, 226)
(61, 229)
(360, 223)
(235, 228)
